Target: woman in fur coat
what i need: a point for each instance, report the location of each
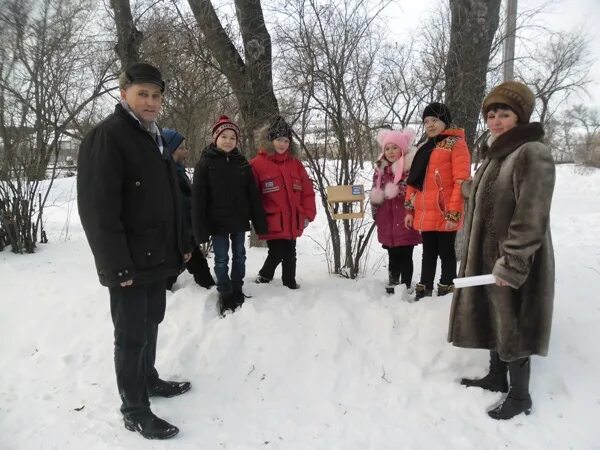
(387, 200)
(507, 234)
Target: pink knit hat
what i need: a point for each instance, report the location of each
(403, 139)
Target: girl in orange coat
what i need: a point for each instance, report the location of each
(433, 196)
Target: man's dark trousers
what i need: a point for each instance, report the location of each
(136, 312)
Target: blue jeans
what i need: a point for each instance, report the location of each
(225, 284)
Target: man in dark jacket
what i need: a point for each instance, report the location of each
(130, 212)
(197, 265)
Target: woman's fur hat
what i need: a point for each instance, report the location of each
(514, 94)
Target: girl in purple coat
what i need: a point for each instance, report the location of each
(387, 201)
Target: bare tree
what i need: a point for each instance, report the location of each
(197, 90)
(434, 43)
(403, 87)
(587, 120)
(528, 27)
(129, 38)
(560, 137)
(556, 70)
(329, 66)
(412, 75)
(249, 74)
(51, 74)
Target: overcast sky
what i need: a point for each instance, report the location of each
(568, 15)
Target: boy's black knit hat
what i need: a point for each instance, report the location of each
(280, 128)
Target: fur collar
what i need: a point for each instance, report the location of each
(508, 142)
(268, 148)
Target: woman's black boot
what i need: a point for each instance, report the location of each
(496, 380)
(518, 399)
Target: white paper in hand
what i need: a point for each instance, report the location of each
(478, 280)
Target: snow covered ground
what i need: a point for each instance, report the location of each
(334, 365)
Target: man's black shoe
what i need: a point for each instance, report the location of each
(167, 389)
(150, 426)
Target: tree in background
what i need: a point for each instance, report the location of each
(339, 78)
(406, 84)
(129, 38)
(587, 147)
(249, 72)
(329, 52)
(556, 70)
(53, 70)
(412, 75)
(473, 25)
(197, 90)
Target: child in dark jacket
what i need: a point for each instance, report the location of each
(197, 264)
(224, 199)
(387, 199)
(288, 198)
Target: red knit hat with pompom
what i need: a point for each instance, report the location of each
(224, 123)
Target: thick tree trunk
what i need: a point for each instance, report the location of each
(474, 23)
(251, 78)
(129, 37)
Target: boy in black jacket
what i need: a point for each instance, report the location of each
(224, 199)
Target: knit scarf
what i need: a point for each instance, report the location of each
(416, 177)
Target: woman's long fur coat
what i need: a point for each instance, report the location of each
(507, 233)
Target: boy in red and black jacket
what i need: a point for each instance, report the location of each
(288, 199)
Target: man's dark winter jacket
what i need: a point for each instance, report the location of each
(224, 195)
(129, 203)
